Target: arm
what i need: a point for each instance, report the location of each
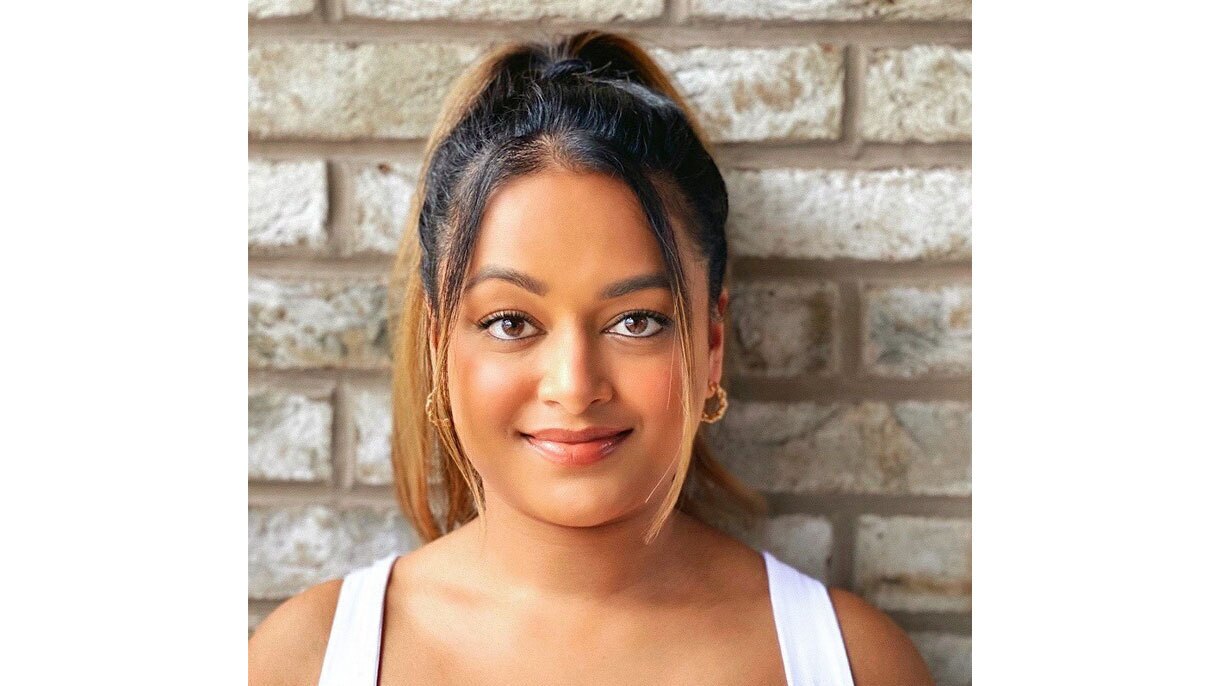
(288, 647)
(879, 652)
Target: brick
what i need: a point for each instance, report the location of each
(295, 324)
(371, 412)
(383, 199)
(287, 203)
(293, 548)
(947, 655)
(756, 94)
(506, 10)
(802, 541)
(914, 564)
(891, 215)
(920, 93)
(918, 330)
(345, 91)
(783, 328)
(264, 9)
(289, 437)
(833, 10)
(911, 447)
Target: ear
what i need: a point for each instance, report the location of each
(715, 338)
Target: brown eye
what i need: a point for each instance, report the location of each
(636, 326)
(509, 328)
(640, 325)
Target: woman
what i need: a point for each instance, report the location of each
(562, 338)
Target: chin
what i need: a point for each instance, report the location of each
(589, 504)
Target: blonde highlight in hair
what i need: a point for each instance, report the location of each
(499, 121)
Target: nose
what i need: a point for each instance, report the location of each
(573, 377)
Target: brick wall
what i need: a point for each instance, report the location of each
(843, 130)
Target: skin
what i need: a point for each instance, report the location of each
(554, 578)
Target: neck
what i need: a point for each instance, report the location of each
(535, 559)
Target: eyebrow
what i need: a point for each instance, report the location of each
(529, 283)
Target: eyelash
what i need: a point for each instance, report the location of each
(662, 320)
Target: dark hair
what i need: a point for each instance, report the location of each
(591, 102)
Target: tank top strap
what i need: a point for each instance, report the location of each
(809, 637)
(353, 652)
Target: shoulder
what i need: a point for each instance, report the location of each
(288, 647)
(878, 651)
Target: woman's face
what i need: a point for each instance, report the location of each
(566, 325)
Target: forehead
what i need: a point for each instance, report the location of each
(581, 225)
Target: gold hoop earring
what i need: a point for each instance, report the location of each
(722, 404)
(430, 410)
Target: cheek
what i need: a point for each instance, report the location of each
(487, 392)
(651, 386)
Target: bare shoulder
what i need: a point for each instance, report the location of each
(879, 652)
(288, 647)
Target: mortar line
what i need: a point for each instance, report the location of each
(831, 389)
(321, 266)
(855, 504)
(815, 154)
(852, 101)
(344, 438)
(305, 376)
(851, 327)
(317, 387)
(958, 623)
(843, 550)
(334, 210)
(655, 31)
(744, 269)
(342, 216)
(747, 269)
(332, 10)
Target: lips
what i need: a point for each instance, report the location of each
(576, 447)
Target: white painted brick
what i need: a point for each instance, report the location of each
(755, 94)
(289, 437)
(782, 328)
(911, 447)
(918, 330)
(393, 90)
(803, 541)
(371, 412)
(264, 9)
(286, 203)
(921, 93)
(345, 91)
(947, 655)
(833, 10)
(506, 10)
(893, 215)
(293, 324)
(383, 199)
(293, 548)
(914, 564)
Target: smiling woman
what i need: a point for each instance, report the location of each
(562, 338)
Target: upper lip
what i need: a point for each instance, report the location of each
(592, 433)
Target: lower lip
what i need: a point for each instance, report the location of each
(576, 454)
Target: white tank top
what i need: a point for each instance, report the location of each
(809, 637)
